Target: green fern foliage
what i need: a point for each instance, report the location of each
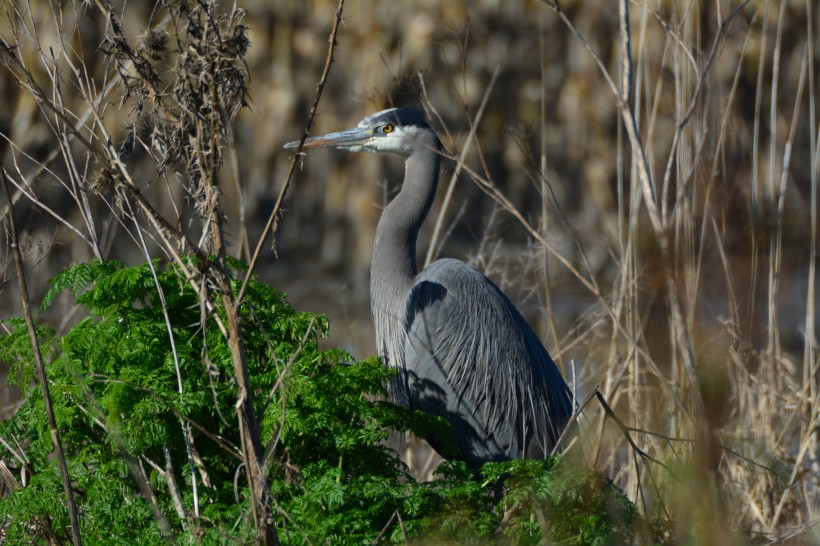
(127, 389)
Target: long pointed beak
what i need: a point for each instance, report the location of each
(343, 139)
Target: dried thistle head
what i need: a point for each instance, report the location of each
(239, 41)
(155, 42)
(107, 179)
(204, 85)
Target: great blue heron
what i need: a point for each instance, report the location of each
(462, 349)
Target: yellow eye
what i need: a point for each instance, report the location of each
(387, 128)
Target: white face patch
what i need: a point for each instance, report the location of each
(398, 141)
(395, 141)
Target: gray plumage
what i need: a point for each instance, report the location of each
(462, 349)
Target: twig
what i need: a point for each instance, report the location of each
(273, 219)
(572, 420)
(220, 441)
(148, 74)
(679, 324)
(779, 228)
(38, 362)
(173, 488)
(387, 526)
(625, 431)
(186, 431)
(23, 189)
(270, 450)
(693, 101)
(144, 485)
(556, 7)
(431, 249)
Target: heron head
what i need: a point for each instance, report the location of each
(396, 130)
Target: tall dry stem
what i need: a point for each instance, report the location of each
(11, 223)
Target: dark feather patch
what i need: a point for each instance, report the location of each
(422, 296)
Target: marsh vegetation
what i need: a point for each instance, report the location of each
(641, 178)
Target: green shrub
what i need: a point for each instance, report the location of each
(335, 480)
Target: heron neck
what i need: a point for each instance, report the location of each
(394, 255)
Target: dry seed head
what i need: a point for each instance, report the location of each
(107, 179)
(155, 43)
(240, 42)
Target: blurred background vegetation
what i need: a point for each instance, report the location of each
(387, 56)
(742, 201)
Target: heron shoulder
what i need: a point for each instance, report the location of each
(473, 288)
(452, 296)
(451, 272)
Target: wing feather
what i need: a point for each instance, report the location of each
(471, 357)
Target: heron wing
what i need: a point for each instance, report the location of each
(471, 357)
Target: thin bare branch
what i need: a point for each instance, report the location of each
(273, 220)
(40, 365)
